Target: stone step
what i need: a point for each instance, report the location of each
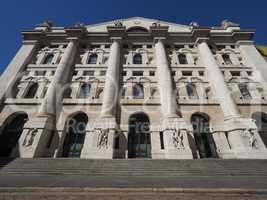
(209, 167)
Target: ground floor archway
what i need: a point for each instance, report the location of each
(139, 141)
(203, 139)
(11, 132)
(75, 129)
(261, 122)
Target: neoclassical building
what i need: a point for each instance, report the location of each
(135, 88)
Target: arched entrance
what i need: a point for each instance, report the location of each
(75, 134)
(11, 132)
(139, 144)
(261, 122)
(201, 130)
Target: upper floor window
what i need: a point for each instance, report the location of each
(137, 59)
(244, 90)
(227, 59)
(67, 93)
(32, 91)
(182, 59)
(85, 91)
(191, 91)
(138, 91)
(48, 59)
(92, 59)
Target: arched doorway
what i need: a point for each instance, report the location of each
(75, 134)
(139, 144)
(261, 122)
(11, 132)
(201, 130)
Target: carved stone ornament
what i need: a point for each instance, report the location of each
(249, 136)
(156, 24)
(102, 138)
(118, 23)
(177, 139)
(226, 23)
(194, 24)
(46, 24)
(29, 138)
(79, 25)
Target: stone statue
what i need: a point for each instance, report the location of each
(29, 138)
(177, 138)
(102, 139)
(194, 24)
(226, 23)
(46, 23)
(252, 140)
(156, 24)
(118, 23)
(79, 25)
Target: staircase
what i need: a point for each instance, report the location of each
(75, 179)
(135, 168)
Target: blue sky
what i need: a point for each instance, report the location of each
(16, 15)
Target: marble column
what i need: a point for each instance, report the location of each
(44, 122)
(111, 89)
(234, 124)
(49, 104)
(100, 142)
(173, 126)
(254, 59)
(216, 78)
(16, 66)
(168, 102)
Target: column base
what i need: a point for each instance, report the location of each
(177, 143)
(99, 144)
(242, 140)
(34, 138)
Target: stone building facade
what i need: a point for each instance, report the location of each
(135, 88)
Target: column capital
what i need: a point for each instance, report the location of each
(244, 42)
(201, 40)
(73, 39)
(116, 39)
(159, 39)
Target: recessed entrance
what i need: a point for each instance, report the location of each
(75, 135)
(202, 136)
(139, 144)
(13, 128)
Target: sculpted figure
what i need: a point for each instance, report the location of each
(29, 138)
(102, 140)
(177, 138)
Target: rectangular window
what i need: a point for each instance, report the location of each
(40, 73)
(103, 73)
(187, 73)
(244, 91)
(149, 46)
(107, 46)
(125, 46)
(152, 73)
(173, 73)
(161, 140)
(137, 46)
(138, 73)
(249, 73)
(75, 73)
(235, 73)
(124, 73)
(88, 73)
(94, 46)
(201, 73)
(177, 47)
